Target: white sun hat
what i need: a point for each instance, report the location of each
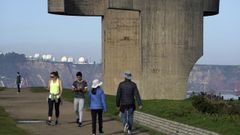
(96, 83)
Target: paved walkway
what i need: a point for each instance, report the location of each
(33, 106)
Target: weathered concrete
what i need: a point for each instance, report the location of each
(158, 40)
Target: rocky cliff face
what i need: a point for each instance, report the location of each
(215, 79)
(37, 73)
(209, 78)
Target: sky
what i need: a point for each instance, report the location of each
(26, 27)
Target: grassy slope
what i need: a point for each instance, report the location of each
(8, 125)
(181, 111)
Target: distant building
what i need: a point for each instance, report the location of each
(70, 59)
(47, 57)
(64, 59)
(36, 56)
(82, 60)
(44, 57)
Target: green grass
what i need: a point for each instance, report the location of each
(183, 111)
(8, 125)
(2, 88)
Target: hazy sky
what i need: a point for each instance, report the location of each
(26, 27)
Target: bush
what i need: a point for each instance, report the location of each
(215, 105)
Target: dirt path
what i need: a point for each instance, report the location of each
(33, 106)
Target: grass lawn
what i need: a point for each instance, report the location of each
(2, 88)
(181, 111)
(8, 125)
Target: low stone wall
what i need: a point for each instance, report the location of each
(168, 127)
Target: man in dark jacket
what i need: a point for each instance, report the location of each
(125, 101)
(19, 81)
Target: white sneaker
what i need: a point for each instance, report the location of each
(129, 132)
(125, 129)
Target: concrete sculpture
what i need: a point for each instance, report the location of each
(158, 40)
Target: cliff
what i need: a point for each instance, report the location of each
(208, 78)
(215, 79)
(37, 73)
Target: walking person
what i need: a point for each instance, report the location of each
(125, 101)
(54, 99)
(19, 82)
(79, 89)
(97, 104)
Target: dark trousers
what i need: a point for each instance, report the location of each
(18, 87)
(50, 107)
(94, 114)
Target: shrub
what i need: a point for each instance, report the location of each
(215, 105)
